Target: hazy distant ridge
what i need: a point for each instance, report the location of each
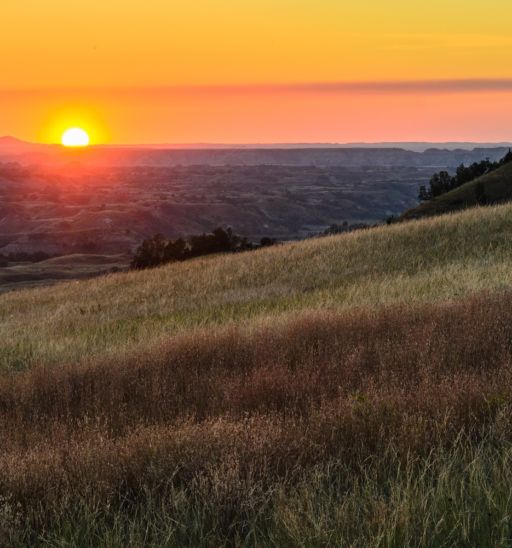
(350, 155)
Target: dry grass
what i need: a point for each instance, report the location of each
(420, 261)
(289, 407)
(290, 365)
(223, 413)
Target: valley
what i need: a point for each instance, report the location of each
(106, 201)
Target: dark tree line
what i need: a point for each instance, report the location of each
(158, 250)
(443, 182)
(344, 227)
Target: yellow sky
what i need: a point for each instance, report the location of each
(101, 61)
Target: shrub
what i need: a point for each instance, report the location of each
(158, 250)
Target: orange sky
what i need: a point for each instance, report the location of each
(230, 71)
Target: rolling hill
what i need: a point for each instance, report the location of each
(68, 267)
(432, 260)
(496, 185)
(345, 390)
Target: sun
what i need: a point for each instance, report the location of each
(75, 137)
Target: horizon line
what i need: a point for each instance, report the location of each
(268, 144)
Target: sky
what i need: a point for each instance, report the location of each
(266, 71)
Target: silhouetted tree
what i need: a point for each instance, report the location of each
(176, 250)
(440, 183)
(508, 157)
(424, 195)
(150, 253)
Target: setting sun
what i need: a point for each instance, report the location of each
(75, 137)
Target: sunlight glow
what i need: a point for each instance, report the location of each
(75, 137)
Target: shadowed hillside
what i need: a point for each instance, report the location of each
(20, 275)
(492, 188)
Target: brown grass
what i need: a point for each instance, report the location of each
(256, 404)
(294, 394)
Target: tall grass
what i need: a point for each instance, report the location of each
(291, 365)
(323, 429)
(420, 261)
(353, 390)
(458, 496)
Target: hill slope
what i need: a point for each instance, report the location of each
(429, 260)
(351, 390)
(496, 185)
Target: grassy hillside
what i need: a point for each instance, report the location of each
(350, 390)
(497, 186)
(431, 260)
